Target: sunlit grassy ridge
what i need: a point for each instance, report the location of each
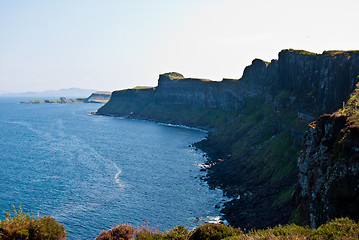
(301, 52)
(142, 87)
(26, 226)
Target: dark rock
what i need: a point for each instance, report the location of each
(328, 182)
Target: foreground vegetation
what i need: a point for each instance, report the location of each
(26, 226)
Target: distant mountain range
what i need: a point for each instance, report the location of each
(68, 93)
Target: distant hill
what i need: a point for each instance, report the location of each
(68, 93)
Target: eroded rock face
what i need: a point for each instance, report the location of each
(328, 177)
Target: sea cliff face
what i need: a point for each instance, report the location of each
(257, 124)
(328, 178)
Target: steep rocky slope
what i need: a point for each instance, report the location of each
(98, 97)
(256, 123)
(328, 183)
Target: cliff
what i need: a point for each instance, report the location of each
(257, 124)
(328, 182)
(98, 97)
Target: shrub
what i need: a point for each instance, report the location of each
(25, 226)
(212, 231)
(147, 233)
(340, 228)
(120, 232)
(177, 233)
(291, 231)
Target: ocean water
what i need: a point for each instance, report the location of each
(93, 172)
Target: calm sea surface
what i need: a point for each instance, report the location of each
(93, 172)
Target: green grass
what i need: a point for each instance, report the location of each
(142, 87)
(173, 75)
(339, 52)
(284, 196)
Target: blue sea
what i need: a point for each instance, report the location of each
(92, 172)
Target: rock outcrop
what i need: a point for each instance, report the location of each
(328, 181)
(98, 97)
(257, 124)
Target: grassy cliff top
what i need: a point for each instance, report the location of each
(340, 52)
(351, 109)
(173, 75)
(332, 53)
(299, 51)
(103, 92)
(141, 87)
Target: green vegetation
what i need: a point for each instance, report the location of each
(351, 108)
(173, 75)
(342, 228)
(142, 87)
(213, 231)
(349, 134)
(284, 195)
(121, 231)
(334, 53)
(25, 226)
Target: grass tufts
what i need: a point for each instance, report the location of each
(120, 232)
(25, 226)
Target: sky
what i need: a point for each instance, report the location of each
(117, 44)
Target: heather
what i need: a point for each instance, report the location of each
(21, 226)
(18, 225)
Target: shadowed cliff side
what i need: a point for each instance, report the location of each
(257, 124)
(328, 183)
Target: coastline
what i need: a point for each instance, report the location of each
(203, 167)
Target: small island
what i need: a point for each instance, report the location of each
(96, 97)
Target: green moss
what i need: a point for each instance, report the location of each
(284, 96)
(296, 217)
(284, 196)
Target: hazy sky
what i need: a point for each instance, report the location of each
(117, 44)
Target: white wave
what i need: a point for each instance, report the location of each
(60, 140)
(183, 126)
(117, 180)
(215, 219)
(207, 219)
(203, 165)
